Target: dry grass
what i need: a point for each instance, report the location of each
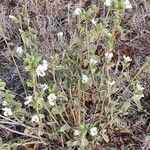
(49, 17)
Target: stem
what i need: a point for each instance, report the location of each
(62, 141)
(52, 115)
(70, 101)
(17, 132)
(34, 83)
(87, 40)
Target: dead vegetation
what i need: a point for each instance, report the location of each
(49, 17)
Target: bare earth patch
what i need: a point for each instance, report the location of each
(52, 16)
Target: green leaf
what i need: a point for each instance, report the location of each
(62, 96)
(84, 141)
(27, 131)
(75, 143)
(29, 82)
(126, 106)
(58, 110)
(9, 95)
(137, 103)
(64, 128)
(20, 112)
(2, 85)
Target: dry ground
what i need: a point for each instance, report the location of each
(52, 16)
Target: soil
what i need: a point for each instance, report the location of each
(49, 18)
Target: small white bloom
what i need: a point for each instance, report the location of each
(93, 21)
(138, 96)
(40, 71)
(44, 86)
(77, 11)
(139, 87)
(93, 131)
(111, 83)
(76, 132)
(45, 65)
(60, 34)
(84, 78)
(127, 4)
(4, 103)
(28, 100)
(93, 61)
(19, 50)
(52, 99)
(12, 17)
(7, 111)
(108, 2)
(127, 58)
(109, 55)
(35, 119)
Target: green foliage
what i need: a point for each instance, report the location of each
(82, 91)
(31, 61)
(2, 85)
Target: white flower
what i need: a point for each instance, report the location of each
(138, 96)
(84, 78)
(28, 100)
(12, 17)
(40, 99)
(77, 11)
(111, 83)
(4, 103)
(127, 58)
(76, 132)
(44, 86)
(45, 65)
(108, 2)
(7, 111)
(35, 119)
(139, 87)
(93, 131)
(19, 50)
(60, 34)
(93, 61)
(109, 55)
(127, 4)
(52, 99)
(93, 21)
(40, 70)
